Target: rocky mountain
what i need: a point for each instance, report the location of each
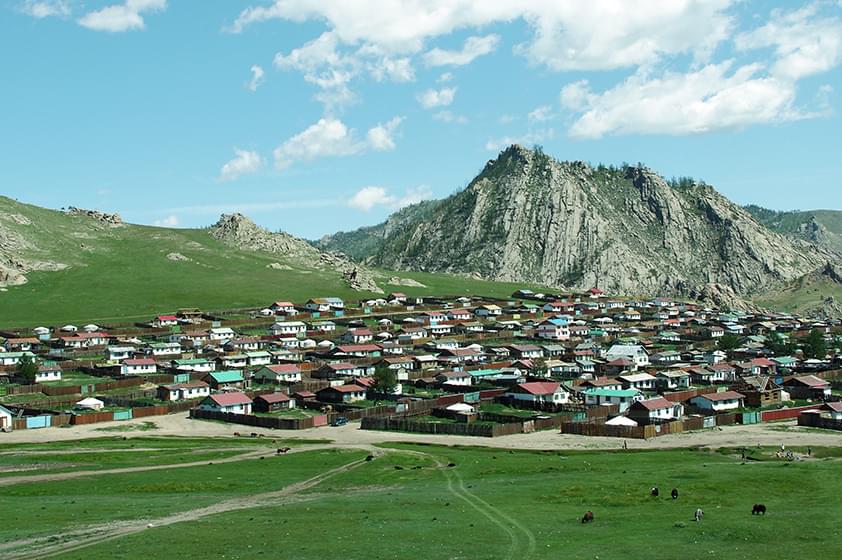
(528, 217)
(822, 228)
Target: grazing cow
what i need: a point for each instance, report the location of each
(674, 493)
(699, 514)
(282, 450)
(758, 509)
(655, 492)
(369, 457)
(588, 517)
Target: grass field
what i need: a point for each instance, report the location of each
(407, 503)
(124, 274)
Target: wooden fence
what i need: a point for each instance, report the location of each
(271, 422)
(786, 413)
(396, 424)
(815, 420)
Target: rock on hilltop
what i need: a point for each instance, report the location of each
(528, 217)
(237, 230)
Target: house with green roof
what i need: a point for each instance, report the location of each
(622, 397)
(225, 379)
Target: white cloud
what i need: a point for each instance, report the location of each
(805, 41)
(169, 221)
(540, 114)
(711, 98)
(244, 162)
(450, 117)
(121, 17)
(392, 69)
(257, 77)
(444, 78)
(330, 137)
(381, 137)
(46, 8)
(368, 197)
(528, 139)
(437, 97)
(473, 48)
(598, 34)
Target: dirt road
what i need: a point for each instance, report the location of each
(773, 434)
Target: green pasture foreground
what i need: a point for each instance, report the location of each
(407, 503)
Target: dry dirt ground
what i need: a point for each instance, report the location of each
(770, 434)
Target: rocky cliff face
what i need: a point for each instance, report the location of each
(527, 217)
(239, 231)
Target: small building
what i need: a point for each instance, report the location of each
(454, 378)
(653, 411)
(6, 418)
(281, 373)
(139, 366)
(283, 308)
(640, 381)
(807, 387)
(162, 321)
(47, 373)
(183, 391)
(89, 403)
(288, 328)
(225, 379)
(199, 365)
(759, 390)
(673, 380)
(634, 352)
(341, 394)
(272, 402)
(554, 329)
(719, 402)
(623, 397)
(540, 392)
(235, 402)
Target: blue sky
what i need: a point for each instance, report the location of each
(314, 116)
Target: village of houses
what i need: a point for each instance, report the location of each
(587, 364)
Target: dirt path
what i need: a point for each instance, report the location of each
(45, 547)
(772, 435)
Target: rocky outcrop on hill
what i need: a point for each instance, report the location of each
(105, 218)
(529, 218)
(239, 231)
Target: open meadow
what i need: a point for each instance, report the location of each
(237, 498)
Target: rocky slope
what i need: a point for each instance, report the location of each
(239, 231)
(822, 228)
(527, 217)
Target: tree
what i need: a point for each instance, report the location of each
(778, 345)
(27, 368)
(815, 345)
(385, 380)
(729, 342)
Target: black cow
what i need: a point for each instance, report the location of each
(674, 493)
(655, 492)
(758, 509)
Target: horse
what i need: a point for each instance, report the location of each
(674, 493)
(588, 517)
(699, 514)
(758, 509)
(654, 492)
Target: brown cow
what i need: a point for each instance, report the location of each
(588, 517)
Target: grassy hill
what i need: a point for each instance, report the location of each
(131, 271)
(821, 227)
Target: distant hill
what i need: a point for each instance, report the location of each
(60, 266)
(822, 228)
(626, 230)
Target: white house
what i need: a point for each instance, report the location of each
(622, 397)
(259, 358)
(489, 310)
(286, 328)
(543, 392)
(139, 366)
(164, 321)
(283, 308)
(118, 353)
(457, 378)
(164, 349)
(5, 418)
(633, 352)
(12, 358)
(182, 391)
(651, 411)
(554, 329)
(221, 333)
(48, 373)
(640, 381)
(235, 402)
(718, 402)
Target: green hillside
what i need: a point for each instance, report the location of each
(821, 227)
(131, 271)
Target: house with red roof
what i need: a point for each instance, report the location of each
(272, 402)
(162, 321)
(235, 402)
(541, 392)
(807, 387)
(139, 366)
(719, 402)
(342, 394)
(653, 411)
